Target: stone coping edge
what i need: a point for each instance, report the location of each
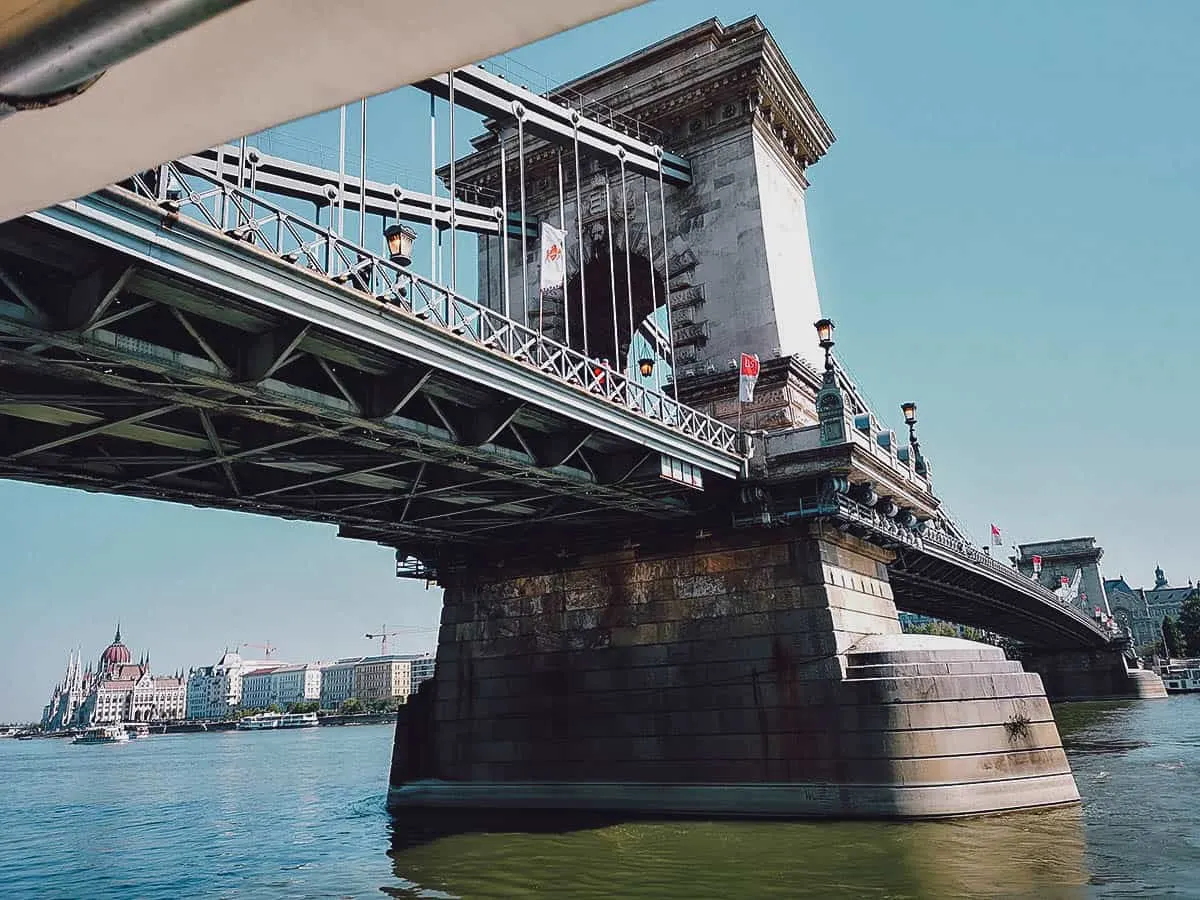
(744, 801)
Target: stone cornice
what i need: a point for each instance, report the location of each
(702, 82)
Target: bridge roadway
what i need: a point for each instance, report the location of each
(146, 354)
(273, 367)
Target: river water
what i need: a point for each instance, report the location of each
(301, 814)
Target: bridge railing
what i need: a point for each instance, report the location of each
(1007, 573)
(246, 216)
(848, 509)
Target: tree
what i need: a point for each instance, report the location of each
(1150, 649)
(304, 706)
(1189, 624)
(352, 706)
(942, 629)
(1172, 636)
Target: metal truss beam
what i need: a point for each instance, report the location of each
(985, 608)
(105, 428)
(480, 91)
(267, 353)
(300, 181)
(200, 255)
(94, 293)
(422, 444)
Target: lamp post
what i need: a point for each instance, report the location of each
(910, 419)
(909, 410)
(825, 340)
(400, 243)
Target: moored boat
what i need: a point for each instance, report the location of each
(299, 720)
(259, 722)
(103, 734)
(1181, 676)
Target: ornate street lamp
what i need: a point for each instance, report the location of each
(400, 243)
(646, 367)
(910, 419)
(825, 340)
(909, 410)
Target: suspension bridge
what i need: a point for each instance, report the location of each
(566, 456)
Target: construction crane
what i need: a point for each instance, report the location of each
(267, 648)
(383, 638)
(383, 635)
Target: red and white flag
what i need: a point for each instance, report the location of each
(748, 378)
(996, 542)
(554, 259)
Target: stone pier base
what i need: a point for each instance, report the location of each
(1092, 675)
(753, 675)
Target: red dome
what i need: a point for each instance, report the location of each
(115, 654)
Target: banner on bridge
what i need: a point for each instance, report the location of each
(749, 377)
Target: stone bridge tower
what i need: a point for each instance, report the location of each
(738, 260)
(1069, 558)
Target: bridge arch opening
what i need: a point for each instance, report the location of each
(604, 272)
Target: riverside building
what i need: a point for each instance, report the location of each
(337, 682)
(214, 692)
(117, 690)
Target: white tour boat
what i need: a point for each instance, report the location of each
(260, 722)
(1181, 676)
(299, 720)
(103, 734)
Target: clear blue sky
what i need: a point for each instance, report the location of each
(1004, 232)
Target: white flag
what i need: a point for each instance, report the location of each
(554, 258)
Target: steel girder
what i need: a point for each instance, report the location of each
(148, 236)
(304, 182)
(941, 588)
(490, 95)
(934, 575)
(122, 375)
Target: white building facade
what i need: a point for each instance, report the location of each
(215, 692)
(422, 669)
(296, 684)
(383, 678)
(337, 682)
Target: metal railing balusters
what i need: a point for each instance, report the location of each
(275, 229)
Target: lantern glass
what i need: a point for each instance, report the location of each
(824, 331)
(400, 243)
(646, 367)
(910, 413)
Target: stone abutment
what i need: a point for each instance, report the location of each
(759, 673)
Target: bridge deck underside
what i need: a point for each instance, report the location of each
(121, 377)
(928, 585)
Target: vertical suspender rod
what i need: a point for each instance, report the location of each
(342, 172)
(653, 290)
(504, 226)
(612, 271)
(520, 111)
(562, 223)
(362, 175)
(453, 192)
(433, 231)
(241, 175)
(662, 206)
(628, 263)
(579, 232)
